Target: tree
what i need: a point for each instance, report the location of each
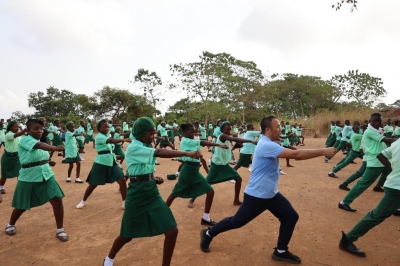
(396, 104)
(353, 4)
(359, 87)
(149, 83)
(20, 117)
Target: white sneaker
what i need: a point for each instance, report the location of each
(108, 262)
(82, 159)
(232, 181)
(177, 174)
(78, 180)
(282, 173)
(80, 205)
(68, 179)
(123, 205)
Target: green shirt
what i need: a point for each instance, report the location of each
(287, 127)
(217, 131)
(355, 141)
(117, 136)
(11, 143)
(125, 126)
(221, 156)
(79, 130)
(89, 129)
(248, 148)
(163, 132)
(28, 154)
(210, 126)
(337, 131)
(202, 132)
(393, 154)
(2, 135)
(235, 129)
(111, 127)
(388, 129)
(346, 132)
(397, 132)
(102, 145)
(333, 128)
(71, 150)
(139, 159)
(189, 145)
(285, 140)
(298, 131)
(373, 145)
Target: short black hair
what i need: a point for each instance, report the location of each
(186, 127)
(250, 126)
(102, 121)
(376, 115)
(31, 122)
(266, 122)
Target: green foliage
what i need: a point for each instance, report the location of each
(353, 4)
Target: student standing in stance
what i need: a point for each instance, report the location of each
(146, 213)
(261, 193)
(36, 184)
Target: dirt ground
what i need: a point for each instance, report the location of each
(93, 229)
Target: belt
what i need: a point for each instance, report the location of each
(141, 178)
(104, 152)
(12, 154)
(192, 163)
(29, 165)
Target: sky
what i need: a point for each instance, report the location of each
(84, 45)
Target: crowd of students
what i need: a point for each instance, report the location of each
(28, 154)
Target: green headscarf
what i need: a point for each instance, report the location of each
(142, 126)
(68, 124)
(10, 124)
(223, 124)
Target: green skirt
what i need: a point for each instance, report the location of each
(146, 213)
(389, 134)
(118, 151)
(101, 174)
(28, 195)
(80, 143)
(210, 133)
(221, 173)
(57, 141)
(89, 138)
(10, 166)
(165, 141)
(176, 133)
(77, 158)
(158, 135)
(191, 183)
(244, 160)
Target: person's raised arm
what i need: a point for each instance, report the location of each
(163, 153)
(224, 137)
(115, 141)
(20, 133)
(47, 147)
(207, 143)
(306, 154)
(384, 160)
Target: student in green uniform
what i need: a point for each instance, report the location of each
(331, 129)
(388, 205)
(355, 143)
(111, 130)
(36, 183)
(396, 133)
(117, 147)
(89, 134)
(203, 133)
(170, 131)
(210, 131)
(146, 213)
(71, 151)
(10, 164)
(373, 143)
(220, 170)
(332, 140)
(286, 144)
(388, 129)
(2, 134)
(246, 153)
(338, 137)
(300, 133)
(105, 168)
(164, 134)
(191, 183)
(80, 137)
(176, 130)
(57, 141)
(125, 129)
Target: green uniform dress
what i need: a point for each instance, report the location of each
(80, 139)
(146, 213)
(105, 168)
(191, 182)
(176, 132)
(89, 133)
(111, 129)
(10, 164)
(36, 184)
(396, 132)
(164, 134)
(210, 130)
(170, 133)
(2, 135)
(248, 149)
(202, 132)
(125, 129)
(220, 170)
(71, 150)
(57, 141)
(117, 147)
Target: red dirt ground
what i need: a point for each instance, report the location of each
(93, 229)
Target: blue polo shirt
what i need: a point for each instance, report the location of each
(263, 182)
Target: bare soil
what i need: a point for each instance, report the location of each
(93, 229)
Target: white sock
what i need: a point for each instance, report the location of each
(342, 202)
(1, 187)
(177, 173)
(206, 216)
(280, 251)
(108, 259)
(60, 230)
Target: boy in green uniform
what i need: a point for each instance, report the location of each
(111, 128)
(388, 205)
(338, 137)
(373, 143)
(355, 143)
(36, 183)
(146, 213)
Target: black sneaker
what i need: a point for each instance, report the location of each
(332, 175)
(205, 241)
(209, 223)
(286, 256)
(397, 213)
(343, 187)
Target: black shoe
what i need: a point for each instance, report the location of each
(353, 162)
(205, 241)
(2, 191)
(209, 223)
(348, 246)
(157, 163)
(286, 256)
(343, 187)
(326, 160)
(346, 207)
(378, 189)
(397, 213)
(60, 154)
(332, 175)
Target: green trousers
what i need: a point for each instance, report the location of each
(368, 178)
(331, 141)
(356, 175)
(339, 145)
(328, 140)
(347, 160)
(385, 208)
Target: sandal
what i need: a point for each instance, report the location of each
(63, 237)
(11, 230)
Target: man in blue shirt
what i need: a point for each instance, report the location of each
(262, 191)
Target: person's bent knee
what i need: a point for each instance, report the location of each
(172, 232)
(238, 179)
(210, 193)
